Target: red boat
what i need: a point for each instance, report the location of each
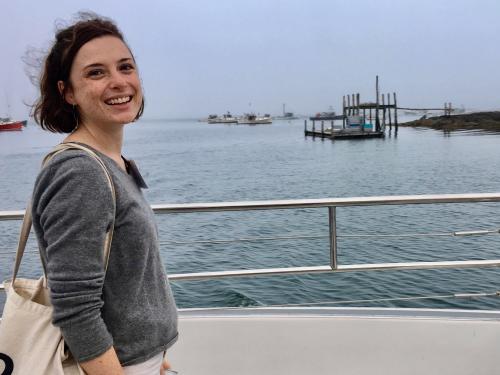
(11, 125)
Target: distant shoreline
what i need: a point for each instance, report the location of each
(466, 121)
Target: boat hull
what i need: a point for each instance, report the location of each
(255, 122)
(223, 121)
(11, 126)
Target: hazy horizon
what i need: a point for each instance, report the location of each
(199, 57)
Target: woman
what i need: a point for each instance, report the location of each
(123, 319)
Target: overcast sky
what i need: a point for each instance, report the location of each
(201, 57)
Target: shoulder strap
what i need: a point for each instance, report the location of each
(27, 221)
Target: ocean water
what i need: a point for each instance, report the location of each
(188, 161)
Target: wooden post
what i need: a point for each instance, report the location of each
(377, 121)
(389, 111)
(361, 123)
(395, 112)
(383, 111)
(353, 101)
(450, 109)
(348, 105)
(314, 128)
(357, 100)
(343, 112)
(322, 128)
(305, 127)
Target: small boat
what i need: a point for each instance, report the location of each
(224, 119)
(206, 119)
(12, 125)
(252, 119)
(286, 115)
(330, 115)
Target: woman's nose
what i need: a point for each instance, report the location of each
(118, 80)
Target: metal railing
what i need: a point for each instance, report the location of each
(331, 204)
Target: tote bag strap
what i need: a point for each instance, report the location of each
(27, 221)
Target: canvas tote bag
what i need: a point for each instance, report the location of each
(29, 343)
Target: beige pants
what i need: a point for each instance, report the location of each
(151, 367)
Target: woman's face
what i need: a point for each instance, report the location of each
(104, 83)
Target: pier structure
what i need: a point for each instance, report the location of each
(359, 120)
(365, 119)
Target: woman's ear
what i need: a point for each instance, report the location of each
(66, 94)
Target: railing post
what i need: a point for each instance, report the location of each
(332, 220)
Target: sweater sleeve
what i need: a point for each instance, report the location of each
(73, 205)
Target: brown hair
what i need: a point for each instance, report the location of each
(51, 111)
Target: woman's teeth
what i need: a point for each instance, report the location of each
(122, 100)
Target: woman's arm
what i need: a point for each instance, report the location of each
(106, 364)
(72, 210)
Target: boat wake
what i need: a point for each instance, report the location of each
(234, 298)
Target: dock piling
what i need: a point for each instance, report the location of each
(377, 121)
(383, 112)
(395, 113)
(389, 111)
(343, 112)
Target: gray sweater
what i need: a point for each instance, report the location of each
(131, 305)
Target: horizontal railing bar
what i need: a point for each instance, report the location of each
(306, 203)
(328, 202)
(12, 215)
(313, 237)
(278, 238)
(340, 268)
(390, 299)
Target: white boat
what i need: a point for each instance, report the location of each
(224, 119)
(327, 340)
(252, 119)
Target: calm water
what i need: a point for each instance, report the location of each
(188, 161)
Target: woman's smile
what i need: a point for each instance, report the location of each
(119, 100)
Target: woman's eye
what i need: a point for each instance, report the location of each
(127, 67)
(95, 73)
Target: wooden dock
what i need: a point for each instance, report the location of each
(344, 134)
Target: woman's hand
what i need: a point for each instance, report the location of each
(106, 364)
(165, 366)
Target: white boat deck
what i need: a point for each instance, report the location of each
(337, 341)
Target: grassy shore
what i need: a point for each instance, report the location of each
(469, 121)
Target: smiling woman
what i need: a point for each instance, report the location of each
(71, 62)
(90, 88)
(103, 84)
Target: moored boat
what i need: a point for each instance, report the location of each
(12, 125)
(252, 119)
(328, 115)
(224, 119)
(324, 116)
